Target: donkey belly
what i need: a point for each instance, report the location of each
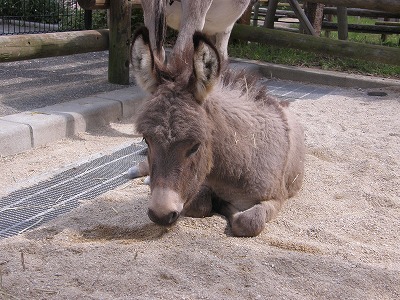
(238, 197)
(174, 15)
(221, 15)
(261, 165)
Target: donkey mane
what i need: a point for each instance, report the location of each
(179, 72)
(249, 84)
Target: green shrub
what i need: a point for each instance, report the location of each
(45, 11)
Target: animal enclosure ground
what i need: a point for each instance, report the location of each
(338, 238)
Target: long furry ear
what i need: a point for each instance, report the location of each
(206, 66)
(143, 61)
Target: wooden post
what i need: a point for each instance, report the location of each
(94, 4)
(342, 23)
(120, 35)
(327, 31)
(388, 55)
(384, 36)
(256, 9)
(88, 19)
(270, 16)
(305, 23)
(315, 13)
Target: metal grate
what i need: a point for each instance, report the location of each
(29, 207)
(291, 91)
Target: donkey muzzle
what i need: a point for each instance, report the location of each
(164, 220)
(165, 206)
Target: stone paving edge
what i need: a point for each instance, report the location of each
(29, 129)
(315, 76)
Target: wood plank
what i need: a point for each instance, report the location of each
(387, 23)
(384, 5)
(101, 4)
(30, 46)
(333, 11)
(378, 29)
(382, 54)
(363, 12)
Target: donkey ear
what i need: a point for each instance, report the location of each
(143, 62)
(206, 66)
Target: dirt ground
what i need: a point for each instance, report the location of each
(337, 239)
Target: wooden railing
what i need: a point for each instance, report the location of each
(118, 37)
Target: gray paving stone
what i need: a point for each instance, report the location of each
(55, 122)
(86, 113)
(45, 127)
(14, 138)
(130, 98)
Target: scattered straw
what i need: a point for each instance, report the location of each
(46, 291)
(33, 225)
(59, 198)
(247, 89)
(295, 178)
(23, 260)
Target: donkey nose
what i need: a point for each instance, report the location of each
(164, 220)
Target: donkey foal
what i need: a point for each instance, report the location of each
(216, 143)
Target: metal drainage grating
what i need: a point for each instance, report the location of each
(29, 207)
(291, 91)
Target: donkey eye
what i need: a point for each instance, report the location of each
(193, 150)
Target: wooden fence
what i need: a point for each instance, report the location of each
(388, 55)
(117, 39)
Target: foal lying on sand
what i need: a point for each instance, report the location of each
(216, 143)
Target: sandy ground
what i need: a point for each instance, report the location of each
(337, 239)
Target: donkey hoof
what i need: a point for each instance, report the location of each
(133, 172)
(146, 181)
(249, 223)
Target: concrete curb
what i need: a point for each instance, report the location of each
(26, 130)
(316, 76)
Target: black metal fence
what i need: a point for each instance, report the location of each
(40, 16)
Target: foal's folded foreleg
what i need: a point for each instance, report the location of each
(201, 205)
(250, 222)
(140, 170)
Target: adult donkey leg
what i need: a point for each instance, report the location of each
(192, 19)
(252, 221)
(154, 19)
(221, 42)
